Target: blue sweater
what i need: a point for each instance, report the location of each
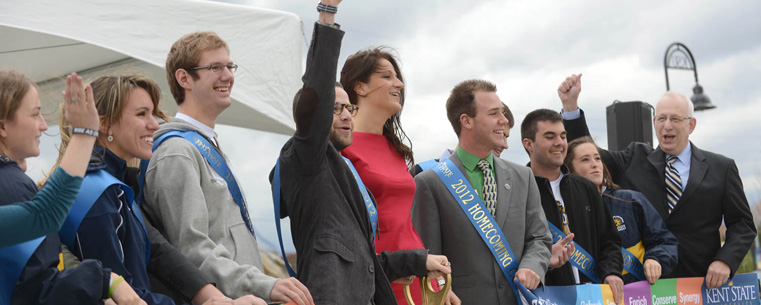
(40, 215)
(41, 282)
(111, 233)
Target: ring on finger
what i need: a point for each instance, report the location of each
(447, 264)
(73, 100)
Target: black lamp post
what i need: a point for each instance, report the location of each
(678, 56)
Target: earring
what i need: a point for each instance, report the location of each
(110, 138)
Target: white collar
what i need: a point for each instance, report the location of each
(205, 130)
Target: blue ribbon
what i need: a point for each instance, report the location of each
(425, 165)
(481, 219)
(633, 265)
(93, 185)
(372, 212)
(580, 258)
(276, 202)
(214, 159)
(13, 260)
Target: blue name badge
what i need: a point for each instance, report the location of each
(480, 218)
(580, 258)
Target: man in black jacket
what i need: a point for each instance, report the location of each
(709, 191)
(329, 220)
(571, 203)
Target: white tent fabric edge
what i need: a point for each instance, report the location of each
(46, 39)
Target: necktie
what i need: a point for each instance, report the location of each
(490, 187)
(564, 216)
(673, 183)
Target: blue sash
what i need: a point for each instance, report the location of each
(482, 220)
(425, 165)
(580, 258)
(214, 159)
(93, 186)
(372, 212)
(276, 202)
(632, 264)
(13, 260)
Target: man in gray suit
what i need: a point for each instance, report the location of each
(476, 114)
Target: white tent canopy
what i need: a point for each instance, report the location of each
(47, 39)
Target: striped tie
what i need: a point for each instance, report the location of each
(490, 187)
(673, 183)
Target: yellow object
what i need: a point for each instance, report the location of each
(60, 261)
(429, 296)
(116, 282)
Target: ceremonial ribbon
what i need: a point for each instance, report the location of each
(580, 258)
(13, 260)
(214, 159)
(372, 212)
(482, 221)
(93, 185)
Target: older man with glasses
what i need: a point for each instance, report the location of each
(693, 190)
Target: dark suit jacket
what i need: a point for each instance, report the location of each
(445, 229)
(714, 192)
(329, 222)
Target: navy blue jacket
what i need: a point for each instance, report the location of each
(111, 233)
(642, 229)
(40, 281)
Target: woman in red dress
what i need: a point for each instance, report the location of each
(374, 82)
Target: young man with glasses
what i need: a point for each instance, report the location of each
(190, 192)
(329, 210)
(692, 189)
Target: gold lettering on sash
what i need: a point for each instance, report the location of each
(445, 169)
(207, 150)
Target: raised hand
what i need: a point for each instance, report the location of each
(78, 103)
(568, 92)
(561, 251)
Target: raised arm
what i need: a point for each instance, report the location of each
(313, 105)
(45, 213)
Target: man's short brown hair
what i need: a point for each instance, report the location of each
(461, 100)
(529, 126)
(185, 54)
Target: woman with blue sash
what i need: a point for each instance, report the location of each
(30, 265)
(648, 247)
(105, 222)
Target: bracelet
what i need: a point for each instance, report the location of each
(87, 131)
(322, 7)
(114, 283)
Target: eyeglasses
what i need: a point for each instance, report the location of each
(674, 119)
(339, 108)
(217, 68)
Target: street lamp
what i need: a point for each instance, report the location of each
(678, 56)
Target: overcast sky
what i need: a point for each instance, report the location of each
(527, 48)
